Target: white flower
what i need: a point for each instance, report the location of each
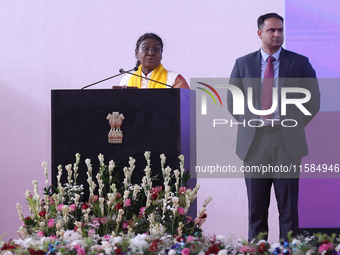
(7, 253)
(337, 249)
(77, 158)
(68, 167)
(106, 246)
(28, 194)
(78, 242)
(115, 240)
(163, 158)
(220, 238)
(136, 189)
(167, 171)
(310, 252)
(207, 201)
(29, 242)
(147, 155)
(132, 162)
(172, 252)
(71, 235)
(157, 229)
(21, 216)
(175, 200)
(35, 186)
(88, 162)
(139, 242)
(296, 242)
(167, 189)
(111, 166)
(101, 159)
(44, 165)
(222, 252)
(261, 241)
(273, 246)
(126, 194)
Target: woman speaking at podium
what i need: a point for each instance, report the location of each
(149, 48)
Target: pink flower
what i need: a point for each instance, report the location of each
(96, 222)
(51, 201)
(185, 251)
(190, 238)
(60, 207)
(247, 249)
(326, 247)
(94, 198)
(125, 224)
(91, 232)
(73, 207)
(141, 211)
(180, 211)
(107, 237)
(40, 234)
(50, 223)
(53, 238)
(77, 247)
(182, 190)
(81, 252)
(127, 202)
(103, 220)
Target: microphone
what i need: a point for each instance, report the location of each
(121, 71)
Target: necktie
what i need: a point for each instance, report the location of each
(267, 87)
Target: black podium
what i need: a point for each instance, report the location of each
(156, 120)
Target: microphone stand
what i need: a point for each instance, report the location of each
(92, 84)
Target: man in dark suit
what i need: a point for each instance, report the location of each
(273, 139)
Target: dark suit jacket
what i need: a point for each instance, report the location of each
(294, 71)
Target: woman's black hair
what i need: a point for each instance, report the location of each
(144, 37)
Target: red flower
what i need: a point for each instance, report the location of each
(28, 221)
(213, 249)
(325, 242)
(154, 192)
(84, 206)
(119, 206)
(118, 250)
(118, 195)
(204, 216)
(178, 238)
(34, 252)
(94, 199)
(154, 246)
(262, 248)
(154, 196)
(42, 214)
(10, 245)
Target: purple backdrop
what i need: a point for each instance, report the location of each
(313, 29)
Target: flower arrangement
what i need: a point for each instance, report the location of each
(130, 244)
(73, 243)
(133, 218)
(113, 209)
(299, 245)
